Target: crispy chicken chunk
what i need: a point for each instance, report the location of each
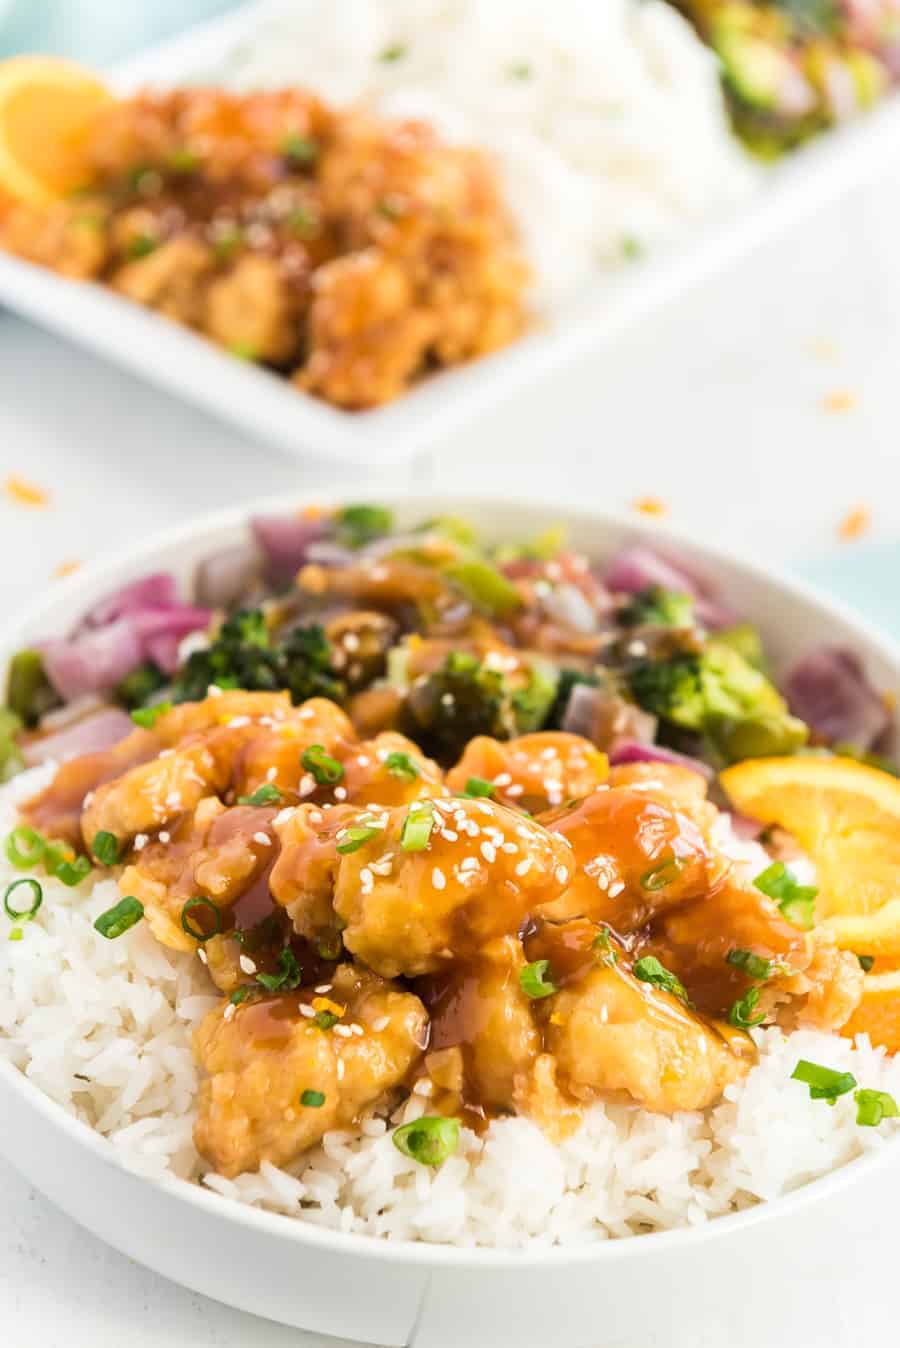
(56, 811)
(637, 855)
(533, 772)
(612, 1033)
(171, 279)
(269, 1066)
(416, 888)
(254, 308)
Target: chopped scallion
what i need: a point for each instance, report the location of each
(312, 1099)
(866, 962)
(326, 770)
(649, 970)
(147, 717)
(325, 1019)
(743, 1015)
(198, 905)
(429, 1140)
(873, 1106)
(663, 874)
(37, 898)
(417, 827)
(754, 966)
(535, 981)
(288, 976)
(356, 836)
(25, 847)
(118, 919)
(105, 848)
(267, 794)
(796, 901)
(824, 1083)
(478, 787)
(401, 765)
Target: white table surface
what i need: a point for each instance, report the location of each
(715, 407)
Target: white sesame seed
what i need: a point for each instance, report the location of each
(323, 988)
(515, 790)
(263, 839)
(616, 889)
(423, 1086)
(307, 1011)
(562, 874)
(510, 848)
(357, 1029)
(450, 834)
(381, 1024)
(247, 964)
(340, 793)
(173, 800)
(363, 760)
(202, 953)
(237, 721)
(284, 815)
(315, 817)
(229, 1011)
(165, 837)
(340, 1069)
(488, 851)
(140, 842)
(343, 1030)
(307, 784)
(524, 866)
(637, 648)
(447, 700)
(351, 641)
(438, 878)
(502, 779)
(214, 690)
(469, 864)
(88, 801)
(271, 774)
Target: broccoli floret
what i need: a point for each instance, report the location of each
(533, 703)
(658, 607)
(444, 710)
(718, 694)
(29, 693)
(243, 656)
(139, 686)
(361, 524)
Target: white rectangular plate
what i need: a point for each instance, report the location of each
(269, 407)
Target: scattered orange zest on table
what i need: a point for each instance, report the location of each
(855, 523)
(66, 568)
(651, 505)
(22, 492)
(840, 400)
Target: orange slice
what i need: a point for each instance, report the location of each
(47, 107)
(845, 815)
(878, 1014)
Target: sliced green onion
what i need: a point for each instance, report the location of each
(649, 970)
(417, 827)
(602, 944)
(25, 914)
(401, 765)
(395, 52)
(361, 524)
(485, 586)
(141, 245)
(535, 982)
(796, 901)
(325, 1019)
(25, 847)
(356, 836)
(866, 962)
(429, 1140)
(743, 1014)
(326, 770)
(329, 946)
(147, 717)
(70, 873)
(477, 787)
(313, 1099)
(16, 934)
(205, 905)
(663, 874)
(267, 794)
(873, 1106)
(105, 848)
(754, 966)
(240, 994)
(823, 1082)
(118, 919)
(299, 149)
(289, 974)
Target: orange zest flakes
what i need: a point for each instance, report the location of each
(326, 1004)
(823, 348)
(22, 492)
(839, 400)
(312, 512)
(66, 568)
(855, 523)
(650, 505)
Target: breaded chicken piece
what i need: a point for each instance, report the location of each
(533, 772)
(637, 855)
(612, 1033)
(415, 888)
(277, 1079)
(172, 279)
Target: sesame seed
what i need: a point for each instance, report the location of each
(88, 801)
(247, 964)
(323, 988)
(637, 648)
(510, 848)
(237, 721)
(165, 837)
(316, 817)
(307, 784)
(340, 1069)
(343, 1030)
(140, 842)
(502, 779)
(524, 866)
(284, 815)
(469, 864)
(450, 834)
(447, 700)
(438, 878)
(357, 1030)
(214, 690)
(263, 839)
(229, 1011)
(488, 851)
(381, 1024)
(547, 754)
(271, 774)
(562, 874)
(616, 889)
(515, 790)
(202, 953)
(423, 1086)
(340, 793)
(351, 641)
(307, 1011)
(363, 760)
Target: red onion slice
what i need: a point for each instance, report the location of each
(829, 690)
(100, 730)
(285, 539)
(637, 568)
(630, 751)
(157, 590)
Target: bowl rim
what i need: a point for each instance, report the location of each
(422, 1253)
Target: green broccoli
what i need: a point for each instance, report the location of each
(361, 524)
(29, 693)
(718, 694)
(243, 656)
(533, 703)
(444, 710)
(138, 687)
(658, 607)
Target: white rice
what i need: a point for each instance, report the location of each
(605, 116)
(103, 1027)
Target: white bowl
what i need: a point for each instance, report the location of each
(764, 1275)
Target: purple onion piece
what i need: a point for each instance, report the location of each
(285, 540)
(630, 751)
(745, 828)
(604, 718)
(94, 660)
(89, 735)
(829, 690)
(227, 576)
(157, 590)
(328, 553)
(638, 567)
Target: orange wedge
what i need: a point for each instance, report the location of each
(878, 1014)
(845, 815)
(47, 107)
